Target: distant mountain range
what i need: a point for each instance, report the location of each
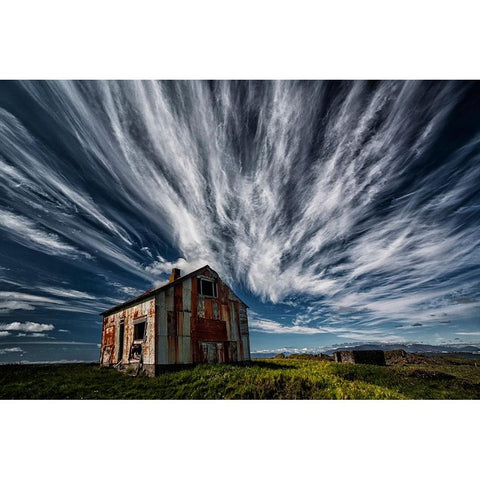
(408, 347)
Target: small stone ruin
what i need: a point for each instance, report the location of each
(369, 357)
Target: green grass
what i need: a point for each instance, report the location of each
(265, 379)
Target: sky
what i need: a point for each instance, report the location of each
(340, 212)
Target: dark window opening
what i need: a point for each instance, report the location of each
(208, 288)
(121, 334)
(139, 331)
(136, 351)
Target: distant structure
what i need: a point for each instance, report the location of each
(192, 319)
(371, 357)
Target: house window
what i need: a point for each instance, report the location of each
(139, 331)
(207, 288)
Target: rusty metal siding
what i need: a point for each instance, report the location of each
(174, 324)
(111, 340)
(185, 355)
(174, 300)
(218, 333)
(182, 326)
(225, 316)
(162, 344)
(168, 302)
(107, 350)
(233, 323)
(245, 335)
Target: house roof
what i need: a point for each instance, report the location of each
(153, 291)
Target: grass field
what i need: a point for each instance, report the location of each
(262, 379)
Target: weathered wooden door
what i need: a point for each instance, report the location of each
(212, 352)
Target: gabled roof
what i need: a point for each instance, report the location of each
(153, 291)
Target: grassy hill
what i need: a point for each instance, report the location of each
(282, 378)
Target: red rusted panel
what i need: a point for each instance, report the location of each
(208, 308)
(213, 330)
(178, 309)
(178, 298)
(180, 324)
(209, 330)
(110, 335)
(107, 354)
(194, 302)
(224, 312)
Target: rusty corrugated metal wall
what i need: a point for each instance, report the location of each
(182, 326)
(110, 349)
(173, 324)
(216, 324)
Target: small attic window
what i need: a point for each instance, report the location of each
(207, 288)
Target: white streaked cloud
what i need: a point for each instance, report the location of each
(271, 326)
(264, 325)
(11, 301)
(60, 299)
(27, 233)
(65, 293)
(32, 335)
(250, 183)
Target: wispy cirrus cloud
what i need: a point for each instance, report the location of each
(65, 292)
(332, 195)
(60, 299)
(317, 326)
(27, 233)
(32, 335)
(14, 300)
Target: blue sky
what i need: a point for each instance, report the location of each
(339, 211)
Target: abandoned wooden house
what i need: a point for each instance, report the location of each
(195, 318)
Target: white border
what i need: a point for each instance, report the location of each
(240, 439)
(250, 39)
(207, 39)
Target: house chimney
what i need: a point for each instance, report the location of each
(175, 274)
